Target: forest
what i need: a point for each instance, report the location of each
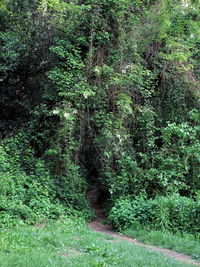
(104, 95)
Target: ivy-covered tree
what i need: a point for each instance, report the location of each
(108, 93)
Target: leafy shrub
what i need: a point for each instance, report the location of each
(27, 191)
(174, 213)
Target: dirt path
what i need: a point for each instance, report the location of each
(97, 226)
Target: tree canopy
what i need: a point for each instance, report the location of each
(102, 93)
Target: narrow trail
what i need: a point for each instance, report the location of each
(98, 226)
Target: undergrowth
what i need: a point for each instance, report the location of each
(174, 213)
(29, 193)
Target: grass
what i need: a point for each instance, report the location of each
(184, 243)
(71, 243)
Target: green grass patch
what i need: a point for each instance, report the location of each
(70, 242)
(180, 242)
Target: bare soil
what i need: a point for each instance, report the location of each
(98, 226)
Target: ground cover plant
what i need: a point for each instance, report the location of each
(180, 242)
(69, 242)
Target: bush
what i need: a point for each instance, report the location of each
(173, 213)
(28, 193)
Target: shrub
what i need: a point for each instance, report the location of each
(28, 192)
(173, 213)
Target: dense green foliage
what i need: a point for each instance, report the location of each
(97, 92)
(27, 191)
(173, 213)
